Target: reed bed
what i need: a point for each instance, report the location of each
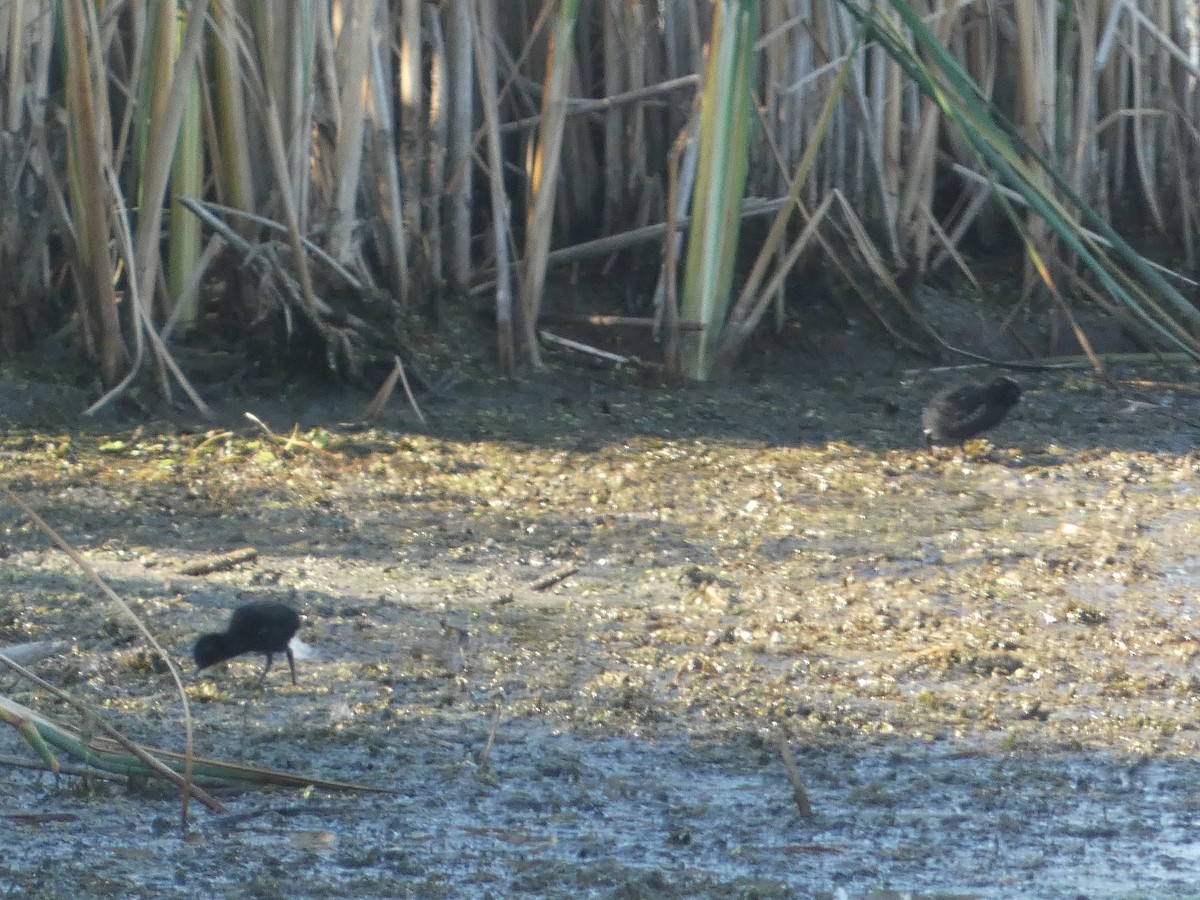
(371, 161)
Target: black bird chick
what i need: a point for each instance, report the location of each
(959, 413)
(260, 627)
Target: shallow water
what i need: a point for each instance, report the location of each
(663, 818)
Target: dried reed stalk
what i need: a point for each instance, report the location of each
(485, 58)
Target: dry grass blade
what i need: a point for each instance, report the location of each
(751, 207)
(19, 762)
(616, 41)
(232, 163)
(162, 142)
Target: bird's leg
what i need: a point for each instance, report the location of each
(292, 663)
(263, 677)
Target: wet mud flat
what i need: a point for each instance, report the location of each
(985, 663)
(644, 818)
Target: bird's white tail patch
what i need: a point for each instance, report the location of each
(301, 650)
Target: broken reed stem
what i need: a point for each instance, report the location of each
(379, 401)
(207, 211)
(799, 794)
(186, 785)
(485, 755)
(412, 401)
(552, 338)
(182, 782)
(384, 394)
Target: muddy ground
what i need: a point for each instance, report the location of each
(984, 663)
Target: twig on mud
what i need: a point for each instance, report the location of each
(799, 794)
(222, 563)
(187, 787)
(485, 755)
(553, 578)
(552, 338)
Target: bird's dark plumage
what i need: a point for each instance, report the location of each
(261, 627)
(959, 413)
